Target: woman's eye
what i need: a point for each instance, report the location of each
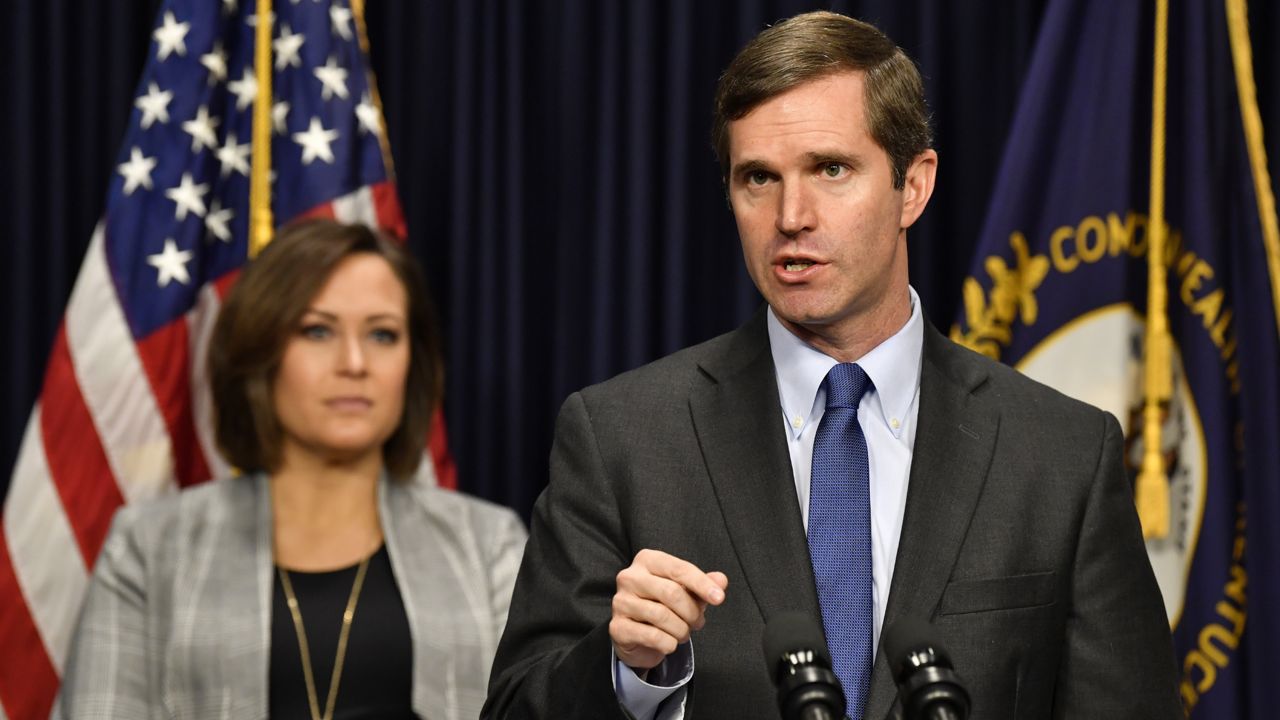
(385, 336)
(315, 331)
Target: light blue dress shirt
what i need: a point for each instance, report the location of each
(887, 415)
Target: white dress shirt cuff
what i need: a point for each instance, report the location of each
(661, 696)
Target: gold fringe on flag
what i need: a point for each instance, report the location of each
(1152, 491)
(261, 223)
(1247, 90)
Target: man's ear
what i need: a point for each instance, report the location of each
(918, 187)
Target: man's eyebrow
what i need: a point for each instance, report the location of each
(817, 158)
(748, 166)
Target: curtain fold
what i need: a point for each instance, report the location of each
(556, 171)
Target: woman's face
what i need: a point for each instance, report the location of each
(339, 392)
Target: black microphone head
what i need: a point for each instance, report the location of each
(788, 632)
(796, 654)
(922, 669)
(911, 642)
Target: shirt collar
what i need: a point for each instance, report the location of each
(893, 366)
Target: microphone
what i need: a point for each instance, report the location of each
(927, 685)
(796, 655)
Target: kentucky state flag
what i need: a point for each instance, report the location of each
(1059, 290)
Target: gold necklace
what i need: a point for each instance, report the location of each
(342, 640)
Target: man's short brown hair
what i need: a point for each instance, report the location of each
(261, 314)
(817, 44)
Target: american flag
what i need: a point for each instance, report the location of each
(124, 411)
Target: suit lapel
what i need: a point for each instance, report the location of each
(428, 577)
(240, 580)
(737, 418)
(955, 438)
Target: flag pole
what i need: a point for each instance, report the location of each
(261, 223)
(362, 35)
(1152, 490)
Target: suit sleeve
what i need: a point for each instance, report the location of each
(554, 658)
(107, 674)
(1119, 653)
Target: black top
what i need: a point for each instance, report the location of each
(377, 675)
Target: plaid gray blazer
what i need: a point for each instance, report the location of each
(176, 623)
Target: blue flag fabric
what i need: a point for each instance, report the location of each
(1059, 289)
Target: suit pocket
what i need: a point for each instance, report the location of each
(1002, 593)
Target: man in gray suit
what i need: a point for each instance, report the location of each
(997, 507)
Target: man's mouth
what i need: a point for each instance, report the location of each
(797, 265)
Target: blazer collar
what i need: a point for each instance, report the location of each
(407, 533)
(739, 429)
(245, 578)
(954, 444)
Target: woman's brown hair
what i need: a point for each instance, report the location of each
(261, 314)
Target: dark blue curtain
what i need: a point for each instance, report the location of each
(554, 162)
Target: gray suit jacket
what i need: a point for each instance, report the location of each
(1020, 541)
(177, 619)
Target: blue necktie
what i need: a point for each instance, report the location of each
(840, 533)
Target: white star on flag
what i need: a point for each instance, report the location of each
(234, 157)
(368, 116)
(215, 61)
(279, 112)
(286, 47)
(154, 105)
(315, 142)
(340, 19)
(171, 264)
(245, 89)
(334, 78)
(200, 128)
(137, 171)
(188, 196)
(229, 7)
(217, 220)
(171, 37)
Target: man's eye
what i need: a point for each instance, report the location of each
(833, 170)
(757, 177)
(315, 331)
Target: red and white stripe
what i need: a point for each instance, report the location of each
(96, 439)
(117, 421)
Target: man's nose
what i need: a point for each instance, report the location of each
(796, 212)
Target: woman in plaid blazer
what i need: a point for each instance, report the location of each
(325, 580)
